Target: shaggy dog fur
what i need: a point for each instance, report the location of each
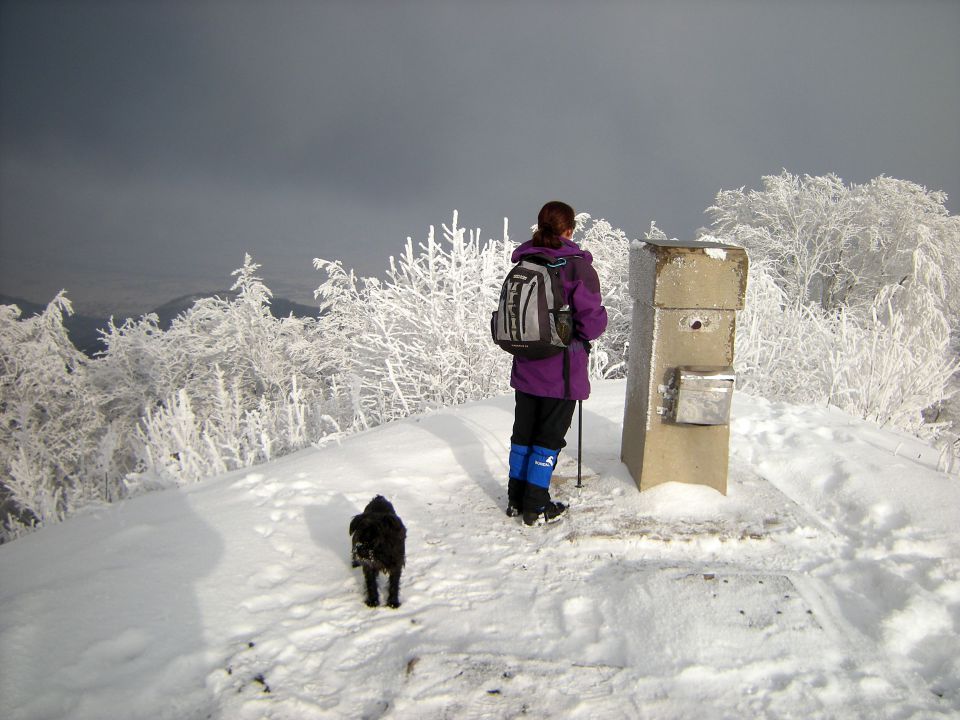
(378, 545)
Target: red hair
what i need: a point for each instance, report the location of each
(555, 220)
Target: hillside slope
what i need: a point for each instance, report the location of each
(826, 584)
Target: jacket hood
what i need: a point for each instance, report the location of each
(568, 248)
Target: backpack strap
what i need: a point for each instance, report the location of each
(550, 262)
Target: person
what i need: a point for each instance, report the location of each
(548, 389)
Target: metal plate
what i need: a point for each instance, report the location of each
(704, 396)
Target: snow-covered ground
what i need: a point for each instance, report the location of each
(825, 585)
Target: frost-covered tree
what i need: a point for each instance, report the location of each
(610, 248)
(419, 339)
(51, 433)
(903, 219)
(228, 385)
(804, 226)
(887, 370)
(836, 246)
(851, 297)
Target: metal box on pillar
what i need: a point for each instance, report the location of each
(680, 380)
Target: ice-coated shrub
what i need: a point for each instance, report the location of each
(419, 339)
(226, 386)
(851, 298)
(890, 370)
(52, 437)
(611, 259)
(836, 246)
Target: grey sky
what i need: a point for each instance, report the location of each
(144, 147)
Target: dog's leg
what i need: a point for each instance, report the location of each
(373, 595)
(393, 597)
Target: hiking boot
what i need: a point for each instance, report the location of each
(538, 508)
(515, 492)
(548, 513)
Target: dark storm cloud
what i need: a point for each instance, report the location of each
(146, 146)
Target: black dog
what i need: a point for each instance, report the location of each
(379, 545)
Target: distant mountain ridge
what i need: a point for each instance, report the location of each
(83, 330)
(279, 307)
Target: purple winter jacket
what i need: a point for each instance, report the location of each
(581, 289)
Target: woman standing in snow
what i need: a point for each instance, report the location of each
(548, 389)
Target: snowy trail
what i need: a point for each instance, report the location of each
(826, 584)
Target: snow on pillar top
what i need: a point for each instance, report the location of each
(688, 274)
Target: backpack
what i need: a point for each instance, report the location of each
(532, 320)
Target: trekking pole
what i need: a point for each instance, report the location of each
(579, 442)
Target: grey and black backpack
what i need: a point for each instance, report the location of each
(532, 319)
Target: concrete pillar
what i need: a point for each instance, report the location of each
(680, 376)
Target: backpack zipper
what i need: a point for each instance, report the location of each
(526, 304)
